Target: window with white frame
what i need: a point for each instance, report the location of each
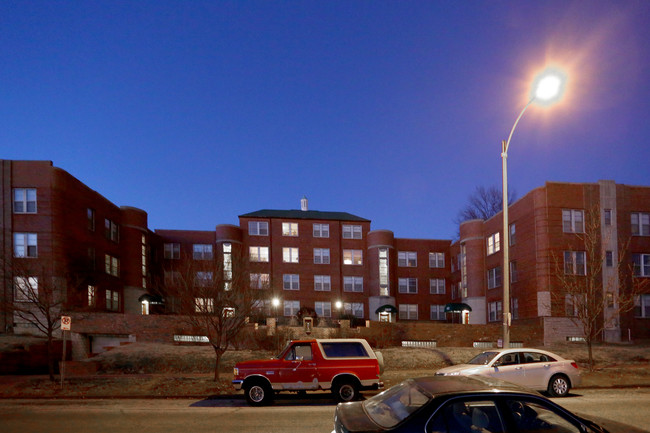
(407, 285)
(112, 300)
(575, 263)
(228, 312)
(512, 238)
(322, 256)
(258, 228)
(323, 309)
(172, 251)
(383, 272)
(227, 261)
(573, 304)
(352, 257)
(641, 265)
(290, 255)
(640, 223)
(437, 286)
(258, 254)
(111, 265)
(408, 311)
(143, 260)
(203, 279)
(437, 312)
(495, 311)
(436, 260)
(322, 283)
(573, 221)
(642, 306)
(260, 281)
(353, 284)
(202, 251)
(291, 308)
(289, 229)
(321, 230)
(351, 232)
(25, 289)
(354, 308)
(407, 259)
(24, 200)
(514, 276)
(291, 281)
(494, 277)
(92, 295)
(111, 230)
(25, 245)
(493, 243)
(204, 305)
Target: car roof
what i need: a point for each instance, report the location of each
(444, 385)
(524, 349)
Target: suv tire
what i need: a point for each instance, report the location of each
(258, 394)
(346, 390)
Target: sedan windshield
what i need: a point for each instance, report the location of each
(483, 358)
(392, 406)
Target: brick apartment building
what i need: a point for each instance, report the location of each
(330, 264)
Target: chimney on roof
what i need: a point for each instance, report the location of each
(303, 203)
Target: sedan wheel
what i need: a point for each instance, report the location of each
(558, 386)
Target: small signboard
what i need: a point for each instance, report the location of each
(66, 321)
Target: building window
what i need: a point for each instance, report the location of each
(609, 259)
(514, 277)
(260, 281)
(143, 248)
(322, 283)
(573, 221)
(323, 309)
(572, 305)
(258, 254)
(514, 308)
(436, 260)
(352, 257)
(407, 285)
(642, 306)
(351, 232)
(290, 255)
(25, 289)
(575, 263)
(289, 229)
(291, 281)
(203, 279)
(24, 200)
(640, 224)
(204, 305)
(462, 260)
(291, 308)
(494, 277)
(111, 230)
(92, 296)
(437, 286)
(321, 230)
(383, 272)
(407, 259)
(227, 261)
(322, 256)
(202, 252)
(438, 312)
(641, 265)
(513, 235)
(408, 311)
(609, 299)
(258, 228)
(495, 311)
(90, 219)
(172, 251)
(607, 216)
(111, 265)
(353, 284)
(25, 245)
(112, 300)
(354, 309)
(493, 243)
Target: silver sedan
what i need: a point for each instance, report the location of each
(534, 368)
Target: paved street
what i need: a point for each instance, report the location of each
(233, 415)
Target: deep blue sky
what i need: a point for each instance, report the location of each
(199, 111)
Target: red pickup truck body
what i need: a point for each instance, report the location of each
(344, 366)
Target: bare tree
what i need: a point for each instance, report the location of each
(215, 299)
(483, 204)
(590, 296)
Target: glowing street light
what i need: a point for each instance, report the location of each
(548, 87)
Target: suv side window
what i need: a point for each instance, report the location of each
(299, 351)
(344, 350)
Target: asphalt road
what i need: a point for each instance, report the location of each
(310, 415)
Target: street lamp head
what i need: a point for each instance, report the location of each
(338, 305)
(549, 86)
(275, 302)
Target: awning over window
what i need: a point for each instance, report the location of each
(151, 299)
(386, 309)
(457, 307)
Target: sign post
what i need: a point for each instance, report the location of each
(66, 321)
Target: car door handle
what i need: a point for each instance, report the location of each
(518, 368)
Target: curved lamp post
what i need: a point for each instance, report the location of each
(548, 88)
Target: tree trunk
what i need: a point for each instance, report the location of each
(50, 354)
(218, 353)
(591, 355)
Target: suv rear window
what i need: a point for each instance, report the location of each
(344, 349)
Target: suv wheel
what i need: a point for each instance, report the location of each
(558, 386)
(258, 394)
(346, 390)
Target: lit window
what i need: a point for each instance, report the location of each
(204, 305)
(24, 200)
(321, 230)
(111, 265)
(383, 272)
(290, 255)
(258, 254)
(352, 257)
(493, 243)
(25, 289)
(289, 229)
(260, 281)
(92, 296)
(351, 232)
(227, 261)
(407, 258)
(258, 228)
(573, 221)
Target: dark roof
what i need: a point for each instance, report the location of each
(303, 215)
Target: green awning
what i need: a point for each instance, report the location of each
(386, 309)
(457, 307)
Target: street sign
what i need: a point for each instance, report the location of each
(65, 323)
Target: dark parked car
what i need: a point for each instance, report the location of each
(460, 404)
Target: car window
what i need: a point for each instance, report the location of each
(507, 359)
(531, 357)
(467, 417)
(344, 349)
(483, 358)
(299, 352)
(532, 417)
(389, 408)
